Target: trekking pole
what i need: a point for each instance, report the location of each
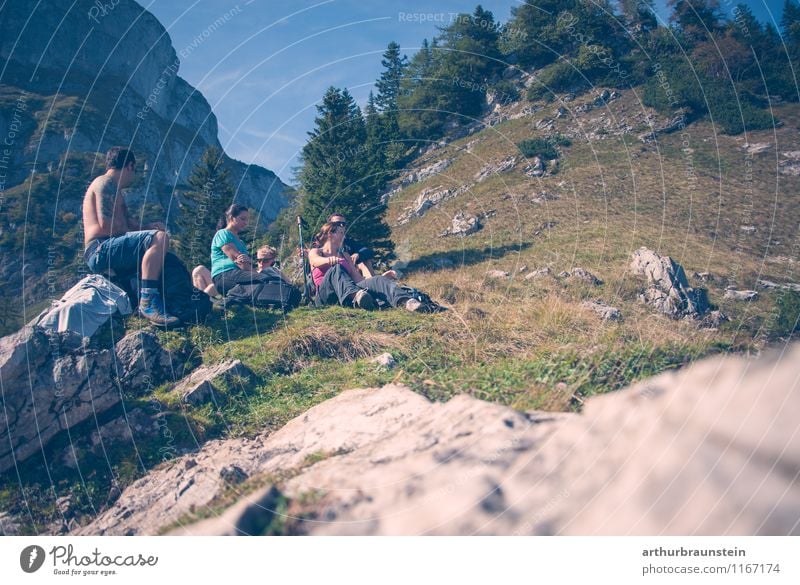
(306, 291)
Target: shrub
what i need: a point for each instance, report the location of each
(544, 148)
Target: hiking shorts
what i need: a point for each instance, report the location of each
(122, 254)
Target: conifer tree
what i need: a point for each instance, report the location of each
(210, 194)
(339, 174)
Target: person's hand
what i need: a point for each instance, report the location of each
(390, 274)
(354, 258)
(302, 252)
(244, 262)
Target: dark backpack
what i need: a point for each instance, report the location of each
(274, 294)
(181, 298)
(428, 304)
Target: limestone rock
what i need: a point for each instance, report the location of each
(51, 385)
(605, 311)
(496, 168)
(538, 273)
(582, 275)
(497, 274)
(463, 224)
(774, 285)
(142, 362)
(668, 290)
(757, 147)
(204, 383)
(425, 200)
(711, 449)
(741, 295)
(385, 360)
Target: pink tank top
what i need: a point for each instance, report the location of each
(318, 273)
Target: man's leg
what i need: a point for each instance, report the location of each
(153, 259)
(151, 306)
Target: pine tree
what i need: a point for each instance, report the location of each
(209, 195)
(389, 87)
(790, 22)
(639, 15)
(339, 174)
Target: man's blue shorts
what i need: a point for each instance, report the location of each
(122, 254)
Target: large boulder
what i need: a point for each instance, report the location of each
(710, 449)
(668, 291)
(51, 382)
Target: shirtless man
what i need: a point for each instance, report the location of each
(115, 241)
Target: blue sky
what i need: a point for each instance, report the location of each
(266, 64)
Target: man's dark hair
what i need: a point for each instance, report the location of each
(118, 158)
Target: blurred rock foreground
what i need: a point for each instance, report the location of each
(710, 449)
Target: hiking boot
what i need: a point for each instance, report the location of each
(413, 305)
(364, 300)
(150, 308)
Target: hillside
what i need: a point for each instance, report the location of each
(525, 339)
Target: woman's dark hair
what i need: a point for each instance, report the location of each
(230, 213)
(324, 233)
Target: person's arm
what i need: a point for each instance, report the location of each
(317, 260)
(243, 261)
(354, 272)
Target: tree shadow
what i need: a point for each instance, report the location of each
(463, 257)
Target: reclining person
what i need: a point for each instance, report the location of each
(114, 241)
(338, 280)
(361, 255)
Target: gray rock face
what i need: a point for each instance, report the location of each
(790, 164)
(204, 383)
(711, 449)
(385, 360)
(50, 385)
(77, 50)
(538, 273)
(668, 290)
(427, 199)
(496, 168)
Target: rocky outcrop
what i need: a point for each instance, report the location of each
(710, 449)
(740, 295)
(52, 383)
(790, 164)
(580, 275)
(463, 224)
(668, 290)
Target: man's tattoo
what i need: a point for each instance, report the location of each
(108, 197)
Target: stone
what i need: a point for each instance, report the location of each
(385, 360)
(538, 273)
(536, 168)
(633, 462)
(543, 197)
(668, 290)
(205, 382)
(233, 475)
(496, 168)
(741, 295)
(704, 276)
(757, 147)
(773, 285)
(9, 525)
(134, 425)
(581, 275)
(561, 112)
(425, 200)
(713, 319)
(605, 311)
(497, 274)
(677, 122)
(463, 224)
(55, 387)
(142, 362)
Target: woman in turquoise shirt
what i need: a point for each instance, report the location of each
(230, 262)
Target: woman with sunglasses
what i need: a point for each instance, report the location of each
(338, 280)
(360, 255)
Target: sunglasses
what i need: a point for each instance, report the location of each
(265, 259)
